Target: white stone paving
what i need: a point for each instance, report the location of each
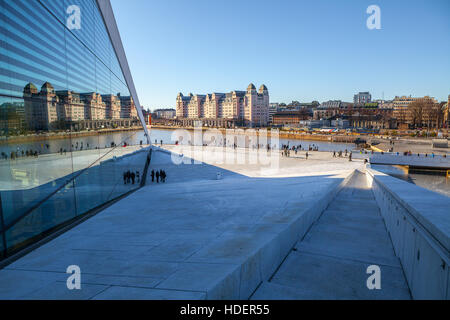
(194, 237)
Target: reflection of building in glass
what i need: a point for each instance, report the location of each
(127, 108)
(49, 109)
(112, 106)
(251, 106)
(12, 117)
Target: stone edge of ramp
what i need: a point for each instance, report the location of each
(241, 282)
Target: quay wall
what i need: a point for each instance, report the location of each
(415, 161)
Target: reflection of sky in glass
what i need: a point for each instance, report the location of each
(39, 50)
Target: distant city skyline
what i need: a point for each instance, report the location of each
(302, 50)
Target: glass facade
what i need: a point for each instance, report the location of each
(70, 136)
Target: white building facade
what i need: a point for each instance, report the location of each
(250, 107)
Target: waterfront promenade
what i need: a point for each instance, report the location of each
(307, 229)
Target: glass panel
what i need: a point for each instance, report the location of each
(34, 177)
(69, 132)
(86, 32)
(4, 72)
(34, 48)
(102, 47)
(35, 60)
(57, 8)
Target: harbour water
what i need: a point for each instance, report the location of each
(433, 182)
(101, 141)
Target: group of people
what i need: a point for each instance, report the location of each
(286, 150)
(131, 177)
(313, 148)
(159, 175)
(17, 154)
(340, 153)
(80, 146)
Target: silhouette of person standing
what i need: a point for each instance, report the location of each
(153, 175)
(157, 176)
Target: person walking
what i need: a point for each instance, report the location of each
(153, 175)
(133, 176)
(307, 155)
(157, 176)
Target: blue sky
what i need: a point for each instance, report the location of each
(301, 50)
